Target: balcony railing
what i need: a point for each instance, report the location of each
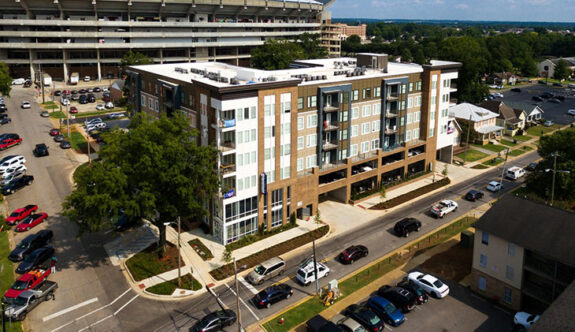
(390, 130)
(330, 108)
(330, 126)
(391, 115)
(227, 123)
(392, 147)
(392, 95)
(329, 146)
(228, 169)
(227, 147)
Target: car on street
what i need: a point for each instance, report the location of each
(96, 126)
(36, 258)
(352, 254)
(386, 310)
(554, 100)
(531, 167)
(306, 273)
(31, 221)
(117, 115)
(11, 161)
(65, 145)
(537, 98)
(5, 120)
(54, 132)
(429, 283)
(562, 98)
(271, 295)
(17, 184)
(92, 121)
(215, 321)
(109, 105)
(473, 195)
(73, 110)
(444, 207)
(571, 112)
(26, 104)
(319, 324)
(494, 186)
(41, 150)
(18, 81)
(58, 138)
(365, 316)
(100, 107)
(17, 215)
(516, 90)
(400, 297)
(406, 226)
(272, 267)
(421, 295)
(9, 140)
(497, 94)
(525, 319)
(30, 243)
(44, 114)
(548, 123)
(547, 95)
(558, 84)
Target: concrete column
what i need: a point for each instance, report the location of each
(30, 55)
(161, 55)
(188, 54)
(99, 66)
(65, 65)
(237, 56)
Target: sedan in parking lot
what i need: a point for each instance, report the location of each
(386, 310)
(365, 316)
(430, 284)
(537, 98)
(44, 114)
(65, 145)
(31, 221)
(421, 295)
(100, 107)
(58, 138)
(73, 110)
(272, 294)
(5, 120)
(473, 195)
(35, 259)
(353, 253)
(54, 132)
(17, 215)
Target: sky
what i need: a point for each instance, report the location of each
(472, 10)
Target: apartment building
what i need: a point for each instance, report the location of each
(350, 30)
(60, 37)
(337, 128)
(523, 254)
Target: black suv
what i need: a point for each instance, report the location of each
(365, 316)
(41, 150)
(29, 244)
(37, 258)
(83, 99)
(421, 295)
(407, 225)
(272, 294)
(473, 195)
(400, 297)
(91, 98)
(319, 324)
(16, 184)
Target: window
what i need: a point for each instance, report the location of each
(411, 87)
(485, 238)
(353, 150)
(269, 105)
(366, 93)
(151, 102)
(364, 147)
(269, 153)
(376, 109)
(285, 102)
(355, 95)
(409, 102)
(409, 118)
(417, 101)
(418, 87)
(510, 249)
(299, 164)
(416, 133)
(300, 142)
(509, 272)
(240, 184)
(300, 123)
(445, 98)
(311, 140)
(433, 100)
(431, 132)
(375, 126)
(157, 106)
(377, 91)
(402, 121)
(366, 110)
(482, 283)
(355, 113)
(311, 101)
(375, 144)
(483, 260)
(286, 128)
(344, 116)
(354, 131)
(252, 112)
(300, 103)
(286, 149)
(432, 115)
(417, 116)
(312, 121)
(507, 295)
(403, 88)
(311, 161)
(143, 100)
(285, 172)
(365, 128)
(269, 132)
(408, 135)
(434, 83)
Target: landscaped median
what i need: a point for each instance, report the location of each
(411, 195)
(147, 264)
(168, 287)
(201, 249)
(313, 306)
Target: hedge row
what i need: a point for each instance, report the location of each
(277, 250)
(411, 195)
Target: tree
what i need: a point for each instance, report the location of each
(276, 54)
(311, 46)
(562, 70)
(382, 192)
(134, 59)
(5, 80)
(156, 171)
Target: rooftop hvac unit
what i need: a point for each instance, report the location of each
(235, 81)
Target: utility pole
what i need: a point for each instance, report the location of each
(553, 180)
(467, 140)
(315, 268)
(179, 250)
(502, 174)
(42, 84)
(238, 298)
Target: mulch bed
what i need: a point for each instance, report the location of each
(411, 195)
(146, 264)
(453, 264)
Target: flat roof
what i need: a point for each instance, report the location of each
(320, 71)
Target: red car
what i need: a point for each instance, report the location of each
(9, 140)
(54, 132)
(31, 221)
(73, 110)
(20, 214)
(27, 281)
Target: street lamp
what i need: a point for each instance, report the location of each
(179, 258)
(554, 170)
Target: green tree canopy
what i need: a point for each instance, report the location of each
(310, 44)
(562, 70)
(135, 58)
(156, 171)
(5, 80)
(276, 54)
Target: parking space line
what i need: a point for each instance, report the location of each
(245, 304)
(387, 327)
(67, 310)
(418, 307)
(248, 285)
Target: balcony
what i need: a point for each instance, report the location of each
(390, 130)
(391, 96)
(228, 169)
(329, 126)
(329, 146)
(227, 123)
(227, 147)
(330, 108)
(393, 146)
(391, 115)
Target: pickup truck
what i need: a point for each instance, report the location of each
(28, 281)
(29, 299)
(442, 208)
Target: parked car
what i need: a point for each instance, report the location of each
(420, 294)
(17, 215)
(319, 324)
(31, 221)
(75, 96)
(28, 300)
(26, 104)
(86, 78)
(271, 295)
(91, 98)
(17, 184)
(353, 253)
(406, 226)
(64, 102)
(90, 90)
(386, 310)
(554, 100)
(41, 150)
(18, 81)
(3, 108)
(537, 98)
(548, 123)
(117, 115)
(266, 270)
(514, 172)
(525, 319)
(27, 281)
(343, 323)
(557, 84)
(9, 178)
(92, 121)
(16, 170)
(96, 126)
(531, 167)
(5, 120)
(9, 140)
(36, 259)
(44, 114)
(571, 112)
(215, 321)
(429, 283)
(30, 243)
(547, 95)
(73, 110)
(494, 186)
(562, 98)
(11, 161)
(27, 84)
(100, 107)
(109, 105)
(400, 297)
(54, 132)
(306, 273)
(65, 145)
(58, 138)
(83, 99)
(516, 90)
(365, 316)
(444, 207)
(473, 195)
(97, 89)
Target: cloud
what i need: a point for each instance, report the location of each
(462, 6)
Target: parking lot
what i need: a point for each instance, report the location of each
(554, 112)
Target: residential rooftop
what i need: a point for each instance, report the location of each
(471, 112)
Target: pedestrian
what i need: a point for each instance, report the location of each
(53, 264)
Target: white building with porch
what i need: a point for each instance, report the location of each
(482, 122)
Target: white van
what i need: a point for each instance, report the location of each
(514, 172)
(306, 273)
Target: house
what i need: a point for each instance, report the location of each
(504, 78)
(533, 113)
(546, 68)
(523, 254)
(116, 90)
(507, 117)
(482, 121)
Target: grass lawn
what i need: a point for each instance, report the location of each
(537, 130)
(49, 102)
(51, 107)
(522, 137)
(491, 147)
(146, 264)
(201, 249)
(472, 155)
(508, 142)
(168, 287)
(480, 166)
(6, 274)
(57, 115)
(515, 153)
(493, 162)
(78, 141)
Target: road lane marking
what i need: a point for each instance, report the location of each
(125, 305)
(96, 323)
(92, 312)
(248, 285)
(242, 300)
(67, 310)
(110, 316)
